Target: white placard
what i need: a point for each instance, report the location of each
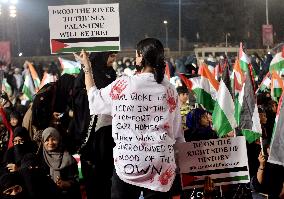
(224, 160)
(93, 27)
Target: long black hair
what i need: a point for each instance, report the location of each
(152, 52)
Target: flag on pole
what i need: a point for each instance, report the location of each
(47, 78)
(35, 78)
(276, 86)
(249, 122)
(6, 87)
(265, 84)
(204, 87)
(276, 155)
(277, 63)
(29, 89)
(69, 67)
(244, 59)
(223, 115)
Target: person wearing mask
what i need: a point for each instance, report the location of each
(96, 153)
(146, 117)
(22, 145)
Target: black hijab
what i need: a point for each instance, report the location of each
(9, 180)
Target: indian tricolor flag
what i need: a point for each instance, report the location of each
(34, 76)
(244, 59)
(29, 88)
(276, 86)
(276, 155)
(69, 67)
(277, 63)
(204, 87)
(249, 122)
(223, 118)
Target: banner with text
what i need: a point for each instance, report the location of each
(224, 160)
(93, 27)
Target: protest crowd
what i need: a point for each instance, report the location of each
(70, 129)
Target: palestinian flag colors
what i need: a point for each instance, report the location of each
(276, 86)
(47, 78)
(223, 115)
(8, 126)
(34, 75)
(69, 67)
(244, 59)
(277, 63)
(92, 44)
(29, 89)
(78, 160)
(265, 84)
(276, 155)
(31, 82)
(224, 160)
(204, 87)
(6, 87)
(249, 122)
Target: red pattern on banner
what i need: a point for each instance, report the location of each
(165, 176)
(171, 100)
(117, 89)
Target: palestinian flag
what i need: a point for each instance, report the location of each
(47, 78)
(238, 80)
(29, 87)
(91, 44)
(249, 117)
(276, 86)
(78, 160)
(223, 115)
(69, 67)
(277, 63)
(34, 75)
(276, 155)
(244, 59)
(6, 87)
(265, 84)
(204, 87)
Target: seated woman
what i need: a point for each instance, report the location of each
(60, 165)
(22, 145)
(199, 127)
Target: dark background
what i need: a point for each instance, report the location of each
(212, 19)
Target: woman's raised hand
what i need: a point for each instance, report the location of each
(83, 58)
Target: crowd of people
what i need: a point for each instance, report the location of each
(83, 114)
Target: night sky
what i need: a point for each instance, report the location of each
(144, 18)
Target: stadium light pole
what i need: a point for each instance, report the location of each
(167, 34)
(179, 27)
(266, 11)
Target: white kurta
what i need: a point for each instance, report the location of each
(146, 124)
